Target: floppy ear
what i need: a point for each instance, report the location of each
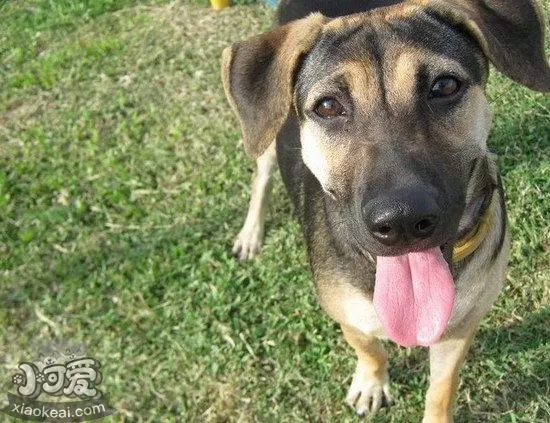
(258, 75)
(511, 34)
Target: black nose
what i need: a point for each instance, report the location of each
(402, 217)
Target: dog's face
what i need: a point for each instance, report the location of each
(392, 111)
(393, 120)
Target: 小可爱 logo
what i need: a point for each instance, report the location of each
(68, 377)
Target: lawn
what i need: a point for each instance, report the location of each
(122, 186)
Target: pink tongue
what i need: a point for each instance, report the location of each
(413, 296)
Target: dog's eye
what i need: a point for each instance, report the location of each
(329, 107)
(444, 87)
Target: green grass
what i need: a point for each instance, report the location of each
(122, 187)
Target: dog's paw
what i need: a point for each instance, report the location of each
(248, 242)
(367, 393)
(438, 419)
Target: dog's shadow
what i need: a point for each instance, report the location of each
(519, 352)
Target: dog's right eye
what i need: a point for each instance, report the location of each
(329, 107)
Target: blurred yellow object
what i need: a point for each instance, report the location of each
(219, 4)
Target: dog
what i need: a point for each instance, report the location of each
(376, 115)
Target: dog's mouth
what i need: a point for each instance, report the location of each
(414, 291)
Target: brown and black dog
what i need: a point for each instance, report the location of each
(376, 114)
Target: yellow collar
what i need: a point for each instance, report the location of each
(467, 245)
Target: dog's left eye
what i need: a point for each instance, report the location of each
(444, 87)
(329, 107)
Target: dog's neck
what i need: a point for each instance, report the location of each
(473, 238)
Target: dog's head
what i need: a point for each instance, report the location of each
(392, 110)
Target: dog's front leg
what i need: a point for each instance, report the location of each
(249, 239)
(446, 359)
(369, 389)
